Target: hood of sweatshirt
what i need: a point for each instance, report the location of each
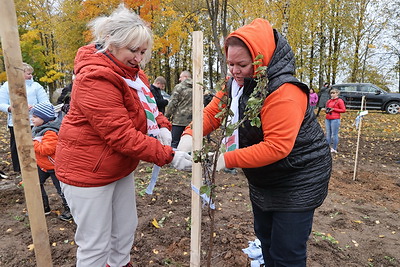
(259, 38)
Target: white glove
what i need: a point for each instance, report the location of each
(165, 136)
(220, 162)
(182, 161)
(185, 144)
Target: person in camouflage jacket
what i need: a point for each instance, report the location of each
(179, 109)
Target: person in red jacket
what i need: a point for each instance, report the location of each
(334, 106)
(44, 134)
(113, 123)
(286, 159)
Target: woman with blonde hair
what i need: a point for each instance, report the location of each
(112, 124)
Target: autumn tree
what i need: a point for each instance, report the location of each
(332, 40)
(69, 29)
(38, 43)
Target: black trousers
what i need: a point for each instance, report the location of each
(42, 178)
(176, 134)
(14, 151)
(283, 236)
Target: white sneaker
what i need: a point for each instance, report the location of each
(333, 150)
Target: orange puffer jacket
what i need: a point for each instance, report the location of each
(45, 150)
(103, 136)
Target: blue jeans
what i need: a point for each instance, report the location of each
(283, 236)
(332, 132)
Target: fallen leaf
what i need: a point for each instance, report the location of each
(31, 247)
(155, 223)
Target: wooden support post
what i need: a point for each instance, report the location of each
(358, 137)
(197, 111)
(16, 83)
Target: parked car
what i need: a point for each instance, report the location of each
(375, 97)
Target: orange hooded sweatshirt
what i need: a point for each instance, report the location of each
(282, 113)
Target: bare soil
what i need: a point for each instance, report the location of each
(358, 224)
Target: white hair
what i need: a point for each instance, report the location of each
(27, 67)
(120, 29)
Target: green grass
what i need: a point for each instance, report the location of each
(375, 124)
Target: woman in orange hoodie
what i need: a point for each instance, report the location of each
(287, 160)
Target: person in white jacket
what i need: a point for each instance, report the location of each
(35, 94)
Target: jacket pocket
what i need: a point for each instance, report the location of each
(101, 159)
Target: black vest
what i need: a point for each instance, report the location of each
(299, 181)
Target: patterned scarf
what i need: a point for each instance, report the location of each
(149, 105)
(232, 142)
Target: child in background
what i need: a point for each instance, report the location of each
(45, 138)
(313, 98)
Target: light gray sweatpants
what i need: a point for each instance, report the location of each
(106, 220)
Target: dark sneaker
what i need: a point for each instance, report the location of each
(47, 210)
(65, 216)
(3, 175)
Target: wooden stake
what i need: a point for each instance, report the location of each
(197, 54)
(358, 138)
(16, 84)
